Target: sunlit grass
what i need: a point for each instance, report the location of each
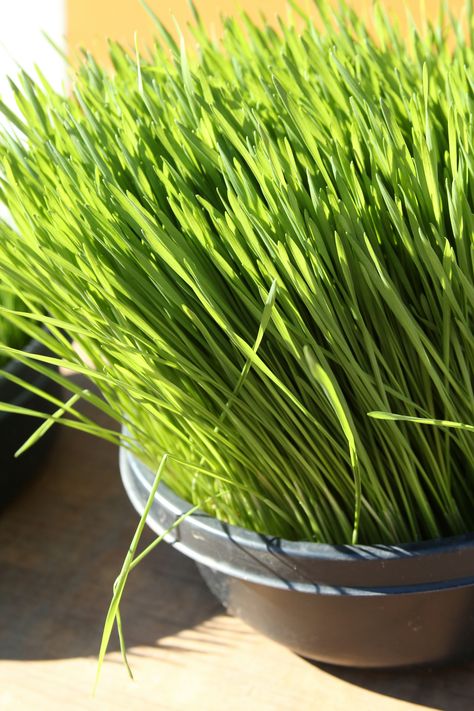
(256, 245)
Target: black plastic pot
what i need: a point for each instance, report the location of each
(359, 606)
(15, 429)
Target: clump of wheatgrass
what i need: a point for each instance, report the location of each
(256, 244)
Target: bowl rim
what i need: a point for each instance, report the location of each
(341, 569)
(379, 550)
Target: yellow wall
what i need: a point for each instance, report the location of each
(90, 22)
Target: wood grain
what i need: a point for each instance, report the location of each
(61, 545)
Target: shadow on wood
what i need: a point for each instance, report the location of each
(447, 688)
(62, 543)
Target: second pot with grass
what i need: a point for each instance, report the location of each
(21, 389)
(255, 246)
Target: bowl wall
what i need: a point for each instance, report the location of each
(361, 606)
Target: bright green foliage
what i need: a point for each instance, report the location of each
(256, 245)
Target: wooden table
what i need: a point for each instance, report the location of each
(61, 545)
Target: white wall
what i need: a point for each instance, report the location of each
(22, 44)
(22, 23)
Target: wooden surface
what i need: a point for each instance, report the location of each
(61, 545)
